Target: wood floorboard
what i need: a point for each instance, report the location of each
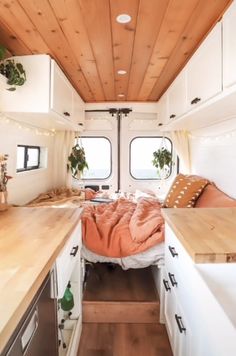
(108, 284)
(121, 312)
(124, 340)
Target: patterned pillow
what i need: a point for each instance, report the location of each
(184, 191)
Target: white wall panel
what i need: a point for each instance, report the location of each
(26, 185)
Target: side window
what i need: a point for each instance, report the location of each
(28, 158)
(98, 157)
(141, 156)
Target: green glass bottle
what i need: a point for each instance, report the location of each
(67, 302)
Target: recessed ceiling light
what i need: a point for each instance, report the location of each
(121, 71)
(123, 18)
(121, 95)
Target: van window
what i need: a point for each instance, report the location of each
(98, 157)
(141, 156)
(28, 158)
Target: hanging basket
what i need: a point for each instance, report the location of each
(77, 161)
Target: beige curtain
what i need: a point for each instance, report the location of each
(180, 141)
(64, 141)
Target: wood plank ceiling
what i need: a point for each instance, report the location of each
(90, 46)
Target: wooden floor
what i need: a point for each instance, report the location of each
(109, 333)
(124, 340)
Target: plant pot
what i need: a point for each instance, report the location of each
(3, 201)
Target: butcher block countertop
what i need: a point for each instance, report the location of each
(30, 241)
(208, 235)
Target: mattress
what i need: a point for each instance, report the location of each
(152, 256)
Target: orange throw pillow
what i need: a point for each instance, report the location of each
(212, 197)
(184, 191)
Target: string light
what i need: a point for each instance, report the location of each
(211, 138)
(26, 127)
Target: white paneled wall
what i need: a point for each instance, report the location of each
(26, 185)
(213, 155)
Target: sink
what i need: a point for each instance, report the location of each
(221, 280)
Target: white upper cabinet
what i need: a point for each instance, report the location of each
(229, 46)
(177, 97)
(61, 92)
(204, 71)
(47, 99)
(163, 109)
(78, 116)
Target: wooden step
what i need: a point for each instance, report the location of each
(121, 312)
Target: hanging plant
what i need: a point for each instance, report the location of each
(162, 159)
(77, 161)
(13, 71)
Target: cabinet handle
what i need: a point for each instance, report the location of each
(166, 285)
(74, 251)
(180, 323)
(195, 101)
(172, 116)
(66, 113)
(29, 332)
(172, 251)
(172, 279)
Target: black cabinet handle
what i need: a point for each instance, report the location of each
(74, 251)
(195, 101)
(180, 323)
(166, 285)
(66, 113)
(172, 116)
(172, 251)
(172, 279)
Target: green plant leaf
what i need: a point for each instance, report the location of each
(2, 52)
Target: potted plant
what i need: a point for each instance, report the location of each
(162, 161)
(13, 71)
(77, 161)
(4, 178)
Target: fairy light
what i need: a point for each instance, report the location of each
(26, 127)
(215, 138)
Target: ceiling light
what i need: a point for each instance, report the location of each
(121, 71)
(121, 95)
(123, 18)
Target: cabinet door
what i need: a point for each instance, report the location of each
(163, 109)
(78, 110)
(169, 309)
(177, 97)
(183, 334)
(229, 46)
(61, 92)
(204, 71)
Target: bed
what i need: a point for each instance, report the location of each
(152, 250)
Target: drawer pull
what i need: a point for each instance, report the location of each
(74, 251)
(172, 116)
(195, 101)
(66, 113)
(172, 279)
(172, 251)
(29, 332)
(166, 285)
(180, 323)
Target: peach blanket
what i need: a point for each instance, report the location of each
(122, 228)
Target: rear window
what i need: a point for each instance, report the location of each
(141, 156)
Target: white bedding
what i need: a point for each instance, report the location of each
(152, 256)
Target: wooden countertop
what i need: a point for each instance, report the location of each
(208, 235)
(30, 241)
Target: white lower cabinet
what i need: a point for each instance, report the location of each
(70, 272)
(199, 303)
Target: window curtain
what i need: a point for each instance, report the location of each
(64, 141)
(181, 144)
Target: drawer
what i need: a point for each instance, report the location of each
(174, 251)
(67, 259)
